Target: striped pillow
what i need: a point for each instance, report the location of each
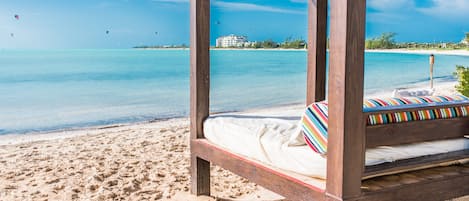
(315, 118)
(384, 104)
(315, 122)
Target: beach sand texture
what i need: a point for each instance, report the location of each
(146, 161)
(137, 162)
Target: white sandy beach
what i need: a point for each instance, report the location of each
(400, 51)
(144, 161)
(427, 52)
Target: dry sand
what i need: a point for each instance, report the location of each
(427, 52)
(146, 161)
(137, 162)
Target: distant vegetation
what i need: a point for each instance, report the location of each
(462, 73)
(289, 43)
(387, 41)
(384, 41)
(269, 44)
(293, 43)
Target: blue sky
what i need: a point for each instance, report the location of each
(83, 23)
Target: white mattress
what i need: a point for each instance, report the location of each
(265, 137)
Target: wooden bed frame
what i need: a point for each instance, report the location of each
(347, 177)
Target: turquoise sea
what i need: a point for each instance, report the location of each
(43, 90)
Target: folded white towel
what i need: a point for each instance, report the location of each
(412, 92)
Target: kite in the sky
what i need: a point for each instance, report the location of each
(107, 32)
(12, 34)
(17, 17)
(156, 33)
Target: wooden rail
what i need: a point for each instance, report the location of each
(413, 164)
(274, 180)
(416, 131)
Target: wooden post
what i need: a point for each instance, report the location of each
(200, 88)
(317, 39)
(346, 139)
(432, 62)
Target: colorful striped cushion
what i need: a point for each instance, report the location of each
(384, 104)
(314, 122)
(315, 118)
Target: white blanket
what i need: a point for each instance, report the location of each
(266, 138)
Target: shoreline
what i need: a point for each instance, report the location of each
(396, 51)
(140, 161)
(422, 51)
(19, 138)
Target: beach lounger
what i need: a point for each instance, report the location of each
(348, 172)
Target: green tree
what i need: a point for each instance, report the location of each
(257, 45)
(269, 44)
(293, 43)
(462, 73)
(467, 37)
(385, 41)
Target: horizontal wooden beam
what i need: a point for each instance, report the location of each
(417, 163)
(285, 185)
(416, 131)
(443, 186)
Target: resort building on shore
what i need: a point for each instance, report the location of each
(232, 41)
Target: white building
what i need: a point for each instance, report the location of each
(232, 41)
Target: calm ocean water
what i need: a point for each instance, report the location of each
(45, 90)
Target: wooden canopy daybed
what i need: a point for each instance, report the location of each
(349, 135)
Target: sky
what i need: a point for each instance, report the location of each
(55, 24)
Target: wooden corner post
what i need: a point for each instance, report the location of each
(346, 150)
(199, 89)
(317, 40)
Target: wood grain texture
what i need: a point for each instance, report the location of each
(199, 89)
(346, 150)
(317, 39)
(200, 65)
(290, 187)
(416, 131)
(200, 176)
(422, 162)
(434, 184)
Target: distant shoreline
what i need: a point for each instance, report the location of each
(397, 51)
(422, 51)
(443, 87)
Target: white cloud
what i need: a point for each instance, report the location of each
(299, 1)
(242, 6)
(171, 1)
(253, 7)
(384, 5)
(448, 8)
